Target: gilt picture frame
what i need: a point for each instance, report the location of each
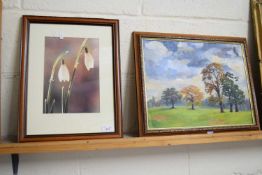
(1, 16)
(70, 79)
(193, 84)
(256, 9)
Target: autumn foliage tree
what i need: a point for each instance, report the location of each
(192, 95)
(212, 76)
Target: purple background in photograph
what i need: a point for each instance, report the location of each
(85, 96)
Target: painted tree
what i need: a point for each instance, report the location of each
(192, 95)
(165, 97)
(238, 97)
(228, 85)
(151, 102)
(170, 96)
(212, 100)
(212, 76)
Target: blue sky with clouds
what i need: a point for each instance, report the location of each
(178, 63)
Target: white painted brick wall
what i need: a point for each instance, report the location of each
(222, 9)
(122, 7)
(223, 17)
(11, 3)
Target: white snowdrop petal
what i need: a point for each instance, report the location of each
(63, 73)
(89, 61)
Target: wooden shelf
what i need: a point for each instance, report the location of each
(128, 142)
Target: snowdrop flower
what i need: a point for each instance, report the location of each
(89, 60)
(63, 73)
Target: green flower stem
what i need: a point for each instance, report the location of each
(62, 103)
(83, 45)
(47, 100)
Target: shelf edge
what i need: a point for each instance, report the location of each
(130, 142)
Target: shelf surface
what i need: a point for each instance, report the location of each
(127, 142)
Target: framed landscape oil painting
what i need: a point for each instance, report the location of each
(192, 83)
(70, 79)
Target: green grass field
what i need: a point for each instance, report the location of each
(200, 117)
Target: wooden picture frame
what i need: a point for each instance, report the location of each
(175, 94)
(70, 79)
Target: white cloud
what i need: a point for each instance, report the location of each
(158, 49)
(231, 53)
(183, 46)
(198, 45)
(181, 68)
(216, 59)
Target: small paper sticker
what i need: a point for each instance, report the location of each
(58, 34)
(210, 132)
(107, 129)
